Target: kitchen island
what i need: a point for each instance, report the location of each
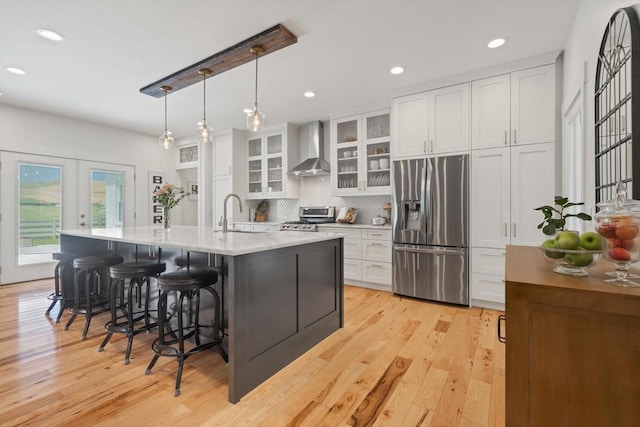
(282, 291)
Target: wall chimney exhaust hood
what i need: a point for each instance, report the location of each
(315, 164)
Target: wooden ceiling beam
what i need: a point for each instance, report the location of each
(272, 39)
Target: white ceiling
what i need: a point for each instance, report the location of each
(344, 52)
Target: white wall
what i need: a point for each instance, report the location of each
(581, 50)
(29, 131)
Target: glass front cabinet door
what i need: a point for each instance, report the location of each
(360, 154)
(270, 155)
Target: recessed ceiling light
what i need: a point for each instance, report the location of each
(247, 110)
(495, 43)
(16, 70)
(309, 94)
(49, 34)
(397, 70)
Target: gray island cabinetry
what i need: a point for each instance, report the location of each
(282, 291)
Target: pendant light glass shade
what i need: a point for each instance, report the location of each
(255, 119)
(166, 140)
(204, 132)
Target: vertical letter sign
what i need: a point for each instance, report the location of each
(156, 179)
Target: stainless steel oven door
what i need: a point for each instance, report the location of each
(431, 272)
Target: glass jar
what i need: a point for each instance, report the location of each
(618, 224)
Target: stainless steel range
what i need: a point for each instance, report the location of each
(310, 217)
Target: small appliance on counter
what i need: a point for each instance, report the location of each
(309, 218)
(379, 220)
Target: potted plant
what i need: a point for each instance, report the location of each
(550, 224)
(261, 211)
(569, 251)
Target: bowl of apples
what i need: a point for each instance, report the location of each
(572, 253)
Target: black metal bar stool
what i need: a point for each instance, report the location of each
(94, 299)
(134, 279)
(65, 260)
(171, 342)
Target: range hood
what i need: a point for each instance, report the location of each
(315, 164)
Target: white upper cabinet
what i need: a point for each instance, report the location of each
(514, 109)
(223, 154)
(360, 154)
(533, 94)
(410, 125)
(432, 122)
(270, 156)
(491, 112)
(449, 119)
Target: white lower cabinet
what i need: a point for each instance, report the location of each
(376, 256)
(367, 256)
(487, 278)
(352, 269)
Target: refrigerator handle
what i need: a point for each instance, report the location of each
(429, 250)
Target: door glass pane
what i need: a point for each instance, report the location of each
(107, 207)
(39, 213)
(274, 144)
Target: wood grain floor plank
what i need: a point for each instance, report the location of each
(454, 372)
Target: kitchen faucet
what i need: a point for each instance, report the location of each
(224, 219)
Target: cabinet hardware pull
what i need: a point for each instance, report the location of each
(501, 319)
(376, 265)
(514, 229)
(424, 146)
(376, 244)
(431, 145)
(505, 137)
(505, 229)
(515, 140)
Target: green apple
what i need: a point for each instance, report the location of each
(579, 260)
(567, 240)
(591, 241)
(550, 243)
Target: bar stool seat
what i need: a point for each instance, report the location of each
(171, 341)
(138, 275)
(94, 300)
(65, 261)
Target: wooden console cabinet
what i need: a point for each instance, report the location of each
(573, 346)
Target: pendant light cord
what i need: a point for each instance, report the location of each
(204, 99)
(165, 111)
(256, 97)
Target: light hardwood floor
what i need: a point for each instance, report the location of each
(397, 362)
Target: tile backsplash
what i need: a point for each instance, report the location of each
(316, 191)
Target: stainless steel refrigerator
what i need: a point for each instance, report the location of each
(431, 228)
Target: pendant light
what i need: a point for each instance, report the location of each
(204, 132)
(166, 140)
(255, 119)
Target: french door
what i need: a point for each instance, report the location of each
(42, 194)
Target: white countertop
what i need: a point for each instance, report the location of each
(367, 226)
(204, 239)
(324, 224)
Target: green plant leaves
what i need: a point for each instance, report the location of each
(550, 224)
